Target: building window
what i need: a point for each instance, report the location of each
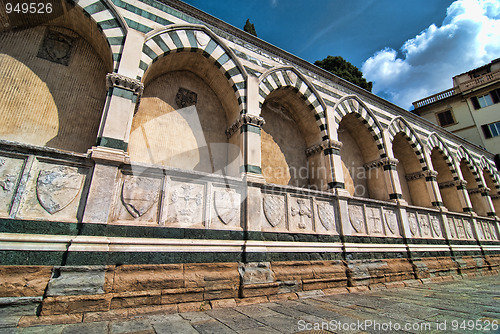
(486, 100)
(491, 130)
(445, 118)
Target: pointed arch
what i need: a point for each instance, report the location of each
(463, 154)
(289, 77)
(110, 22)
(484, 164)
(353, 104)
(399, 125)
(435, 141)
(195, 38)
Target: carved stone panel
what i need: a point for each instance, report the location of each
(391, 221)
(488, 235)
(10, 171)
(425, 225)
(325, 217)
(52, 192)
(185, 98)
(413, 222)
(227, 203)
(57, 187)
(436, 226)
(460, 228)
(469, 234)
(374, 221)
(185, 204)
(301, 215)
(356, 218)
(56, 47)
(451, 226)
(139, 195)
(274, 211)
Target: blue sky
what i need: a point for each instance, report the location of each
(409, 49)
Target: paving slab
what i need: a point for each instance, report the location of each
(429, 308)
(174, 327)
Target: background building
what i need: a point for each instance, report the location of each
(471, 109)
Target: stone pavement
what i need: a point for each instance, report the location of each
(460, 306)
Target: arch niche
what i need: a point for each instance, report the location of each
(362, 149)
(188, 102)
(475, 187)
(294, 128)
(408, 150)
(53, 80)
(447, 176)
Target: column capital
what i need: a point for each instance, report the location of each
(245, 119)
(387, 161)
(331, 146)
(428, 174)
(124, 82)
(453, 183)
(483, 191)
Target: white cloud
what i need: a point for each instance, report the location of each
(468, 38)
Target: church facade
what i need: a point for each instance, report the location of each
(156, 159)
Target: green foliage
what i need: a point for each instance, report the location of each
(344, 69)
(250, 28)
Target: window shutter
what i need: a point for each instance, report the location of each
(495, 95)
(486, 131)
(475, 102)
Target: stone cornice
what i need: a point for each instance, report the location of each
(124, 82)
(387, 161)
(242, 120)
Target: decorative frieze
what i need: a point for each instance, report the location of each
(245, 119)
(382, 162)
(124, 82)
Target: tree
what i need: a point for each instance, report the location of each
(344, 69)
(250, 28)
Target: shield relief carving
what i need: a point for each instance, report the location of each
(356, 217)
(227, 205)
(274, 210)
(57, 187)
(139, 194)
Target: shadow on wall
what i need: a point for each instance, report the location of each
(52, 84)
